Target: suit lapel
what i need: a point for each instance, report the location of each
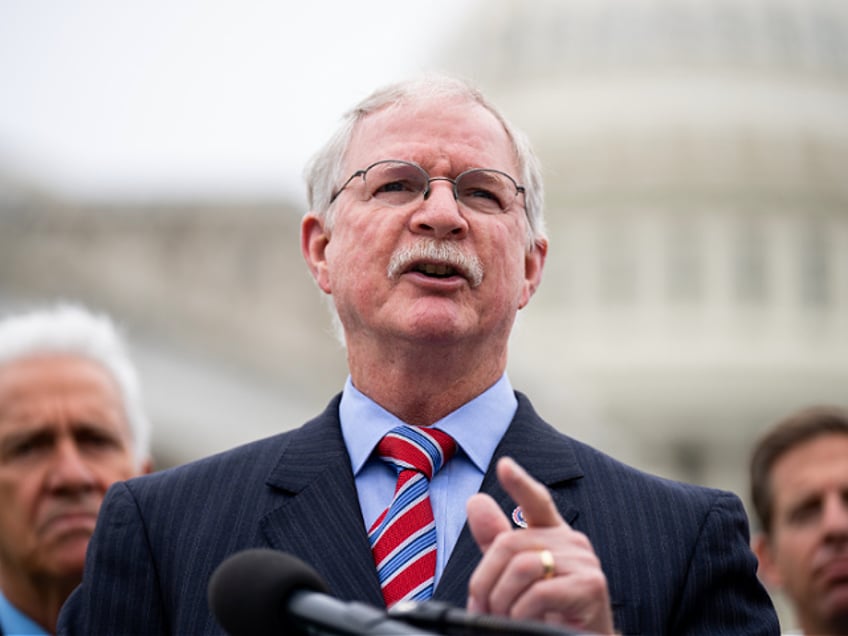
(548, 456)
(318, 518)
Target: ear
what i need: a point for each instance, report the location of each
(147, 466)
(534, 263)
(314, 239)
(768, 570)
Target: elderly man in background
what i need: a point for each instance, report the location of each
(71, 424)
(799, 487)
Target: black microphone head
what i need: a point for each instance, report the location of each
(249, 590)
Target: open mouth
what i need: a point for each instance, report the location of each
(437, 261)
(435, 270)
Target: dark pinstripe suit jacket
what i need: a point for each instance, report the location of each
(676, 556)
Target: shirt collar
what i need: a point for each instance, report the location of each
(477, 426)
(14, 621)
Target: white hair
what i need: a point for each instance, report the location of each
(72, 329)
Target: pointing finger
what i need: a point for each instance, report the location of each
(533, 497)
(485, 520)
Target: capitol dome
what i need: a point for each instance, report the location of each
(694, 154)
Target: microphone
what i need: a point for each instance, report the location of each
(448, 620)
(261, 592)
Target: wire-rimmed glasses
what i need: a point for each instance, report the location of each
(395, 183)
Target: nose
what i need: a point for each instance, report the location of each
(439, 216)
(69, 472)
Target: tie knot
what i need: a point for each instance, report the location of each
(424, 450)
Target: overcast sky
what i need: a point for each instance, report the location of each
(150, 97)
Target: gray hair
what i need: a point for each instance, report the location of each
(72, 329)
(324, 171)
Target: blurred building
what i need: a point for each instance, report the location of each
(697, 202)
(696, 160)
(227, 327)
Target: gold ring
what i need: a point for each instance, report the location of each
(547, 560)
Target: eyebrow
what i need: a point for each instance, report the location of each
(44, 432)
(15, 438)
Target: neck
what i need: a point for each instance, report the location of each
(423, 385)
(40, 599)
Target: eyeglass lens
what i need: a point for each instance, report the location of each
(397, 183)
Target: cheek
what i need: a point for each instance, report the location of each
(794, 550)
(22, 486)
(357, 254)
(105, 466)
(20, 502)
(508, 266)
(507, 243)
(345, 269)
(118, 468)
(10, 507)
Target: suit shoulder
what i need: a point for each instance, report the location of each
(242, 464)
(629, 488)
(600, 475)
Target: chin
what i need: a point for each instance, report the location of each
(67, 569)
(836, 606)
(69, 556)
(437, 335)
(440, 325)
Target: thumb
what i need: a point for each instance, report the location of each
(485, 520)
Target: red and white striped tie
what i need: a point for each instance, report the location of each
(403, 538)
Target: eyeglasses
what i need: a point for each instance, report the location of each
(395, 183)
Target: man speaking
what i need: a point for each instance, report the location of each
(428, 476)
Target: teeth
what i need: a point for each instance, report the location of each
(436, 270)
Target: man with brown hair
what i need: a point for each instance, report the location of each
(799, 487)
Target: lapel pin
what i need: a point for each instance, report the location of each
(518, 517)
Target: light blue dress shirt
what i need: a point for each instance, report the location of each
(477, 427)
(13, 622)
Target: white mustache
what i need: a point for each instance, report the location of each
(431, 251)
